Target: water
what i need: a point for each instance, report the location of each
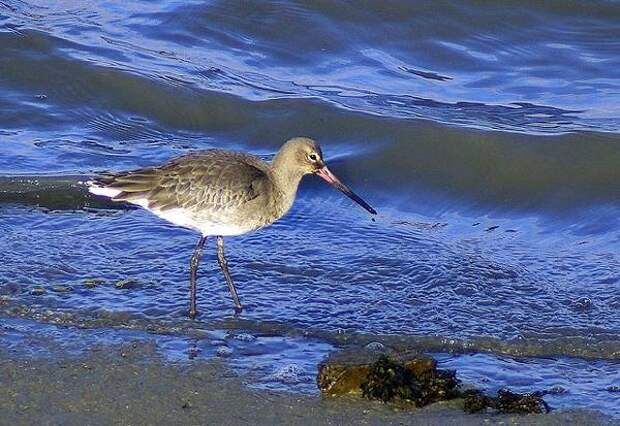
(487, 137)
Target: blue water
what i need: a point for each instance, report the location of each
(486, 135)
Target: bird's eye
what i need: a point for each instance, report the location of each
(313, 157)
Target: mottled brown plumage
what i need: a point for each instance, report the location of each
(221, 193)
(212, 186)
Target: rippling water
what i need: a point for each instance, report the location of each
(486, 135)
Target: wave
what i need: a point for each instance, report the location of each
(395, 60)
(406, 165)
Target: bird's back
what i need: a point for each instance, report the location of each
(215, 192)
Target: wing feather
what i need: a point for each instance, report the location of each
(211, 179)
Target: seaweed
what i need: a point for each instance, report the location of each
(505, 402)
(389, 380)
(409, 378)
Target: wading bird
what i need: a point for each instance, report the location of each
(221, 193)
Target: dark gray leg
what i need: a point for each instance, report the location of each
(224, 265)
(193, 271)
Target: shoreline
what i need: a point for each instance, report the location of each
(132, 384)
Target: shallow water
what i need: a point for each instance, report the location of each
(487, 137)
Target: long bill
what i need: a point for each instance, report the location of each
(330, 178)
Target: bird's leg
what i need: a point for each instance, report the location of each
(193, 271)
(224, 265)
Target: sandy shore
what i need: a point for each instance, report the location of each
(132, 385)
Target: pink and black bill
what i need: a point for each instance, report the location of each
(330, 178)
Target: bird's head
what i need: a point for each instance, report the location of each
(302, 156)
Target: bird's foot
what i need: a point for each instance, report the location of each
(238, 309)
(193, 314)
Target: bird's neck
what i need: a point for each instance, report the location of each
(286, 179)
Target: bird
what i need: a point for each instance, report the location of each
(221, 193)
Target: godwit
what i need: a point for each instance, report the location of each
(221, 193)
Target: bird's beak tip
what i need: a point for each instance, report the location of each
(326, 174)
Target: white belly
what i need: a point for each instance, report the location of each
(178, 216)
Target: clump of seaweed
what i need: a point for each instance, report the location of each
(126, 283)
(389, 380)
(409, 378)
(505, 402)
(93, 282)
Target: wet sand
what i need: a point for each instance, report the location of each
(131, 384)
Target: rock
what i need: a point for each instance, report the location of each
(126, 284)
(584, 304)
(93, 282)
(61, 289)
(38, 291)
(410, 378)
(345, 372)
